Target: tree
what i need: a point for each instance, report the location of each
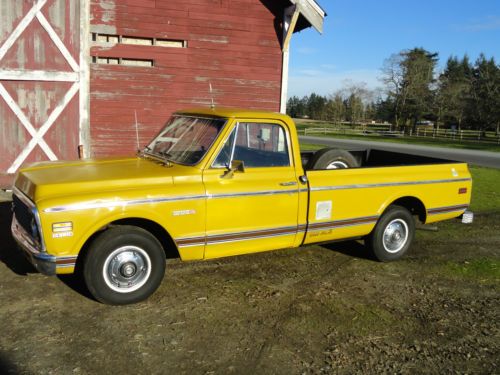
(316, 107)
(409, 76)
(485, 94)
(453, 92)
(335, 110)
(393, 78)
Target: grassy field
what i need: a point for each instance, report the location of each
(428, 141)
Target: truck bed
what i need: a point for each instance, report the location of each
(374, 158)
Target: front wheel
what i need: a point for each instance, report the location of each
(124, 265)
(392, 236)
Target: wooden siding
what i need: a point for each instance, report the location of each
(39, 99)
(234, 45)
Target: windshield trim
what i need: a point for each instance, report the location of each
(191, 116)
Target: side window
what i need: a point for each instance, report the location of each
(224, 157)
(257, 145)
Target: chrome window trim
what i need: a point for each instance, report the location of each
(388, 184)
(291, 162)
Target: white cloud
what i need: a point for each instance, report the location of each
(306, 50)
(327, 82)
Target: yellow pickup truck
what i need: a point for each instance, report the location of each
(222, 182)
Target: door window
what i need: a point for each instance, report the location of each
(257, 145)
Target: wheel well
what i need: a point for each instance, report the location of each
(155, 229)
(414, 205)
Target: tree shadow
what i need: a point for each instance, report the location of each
(10, 254)
(351, 248)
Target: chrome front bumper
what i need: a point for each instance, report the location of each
(44, 263)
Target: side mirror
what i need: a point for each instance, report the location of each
(236, 166)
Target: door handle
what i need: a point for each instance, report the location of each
(291, 183)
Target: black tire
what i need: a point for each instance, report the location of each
(332, 158)
(392, 236)
(123, 265)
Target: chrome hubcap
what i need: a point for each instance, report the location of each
(127, 269)
(337, 165)
(395, 236)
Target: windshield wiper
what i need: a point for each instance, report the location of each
(161, 157)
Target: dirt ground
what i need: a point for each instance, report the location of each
(313, 310)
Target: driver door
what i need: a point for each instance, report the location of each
(255, 209)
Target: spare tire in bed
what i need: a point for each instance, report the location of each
(332, 158)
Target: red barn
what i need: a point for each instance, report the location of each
(78, 77)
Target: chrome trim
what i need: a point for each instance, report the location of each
(365, 186)
(447, 209)
(266, 233)
(247, 194)
(43, 262)
(90, 205)
(249, 238)
(249, 235)
(23, 197)
(93, 205)
(28, 202)
(364, 220)
(290, 183)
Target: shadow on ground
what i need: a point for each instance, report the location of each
(6, 366)
(9, 253)
(355, 249)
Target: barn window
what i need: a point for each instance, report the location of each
(138, 41)
(122, 61)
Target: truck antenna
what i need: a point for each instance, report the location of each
(211, 95)
(137, 131)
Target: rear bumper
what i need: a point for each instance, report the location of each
(43, 262)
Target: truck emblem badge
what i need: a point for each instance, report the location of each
(183, 212)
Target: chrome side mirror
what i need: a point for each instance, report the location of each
(236, 166)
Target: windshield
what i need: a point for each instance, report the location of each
(185, 139)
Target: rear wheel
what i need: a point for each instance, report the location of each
(392, 236)
(123, 265)
(332, 158)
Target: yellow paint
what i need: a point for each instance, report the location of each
(255, 210)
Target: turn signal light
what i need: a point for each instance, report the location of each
(462, 191)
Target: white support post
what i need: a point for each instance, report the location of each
(84, 126)
(289, 22)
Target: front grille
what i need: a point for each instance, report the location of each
(26, 217)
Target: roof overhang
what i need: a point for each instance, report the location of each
(311, 14)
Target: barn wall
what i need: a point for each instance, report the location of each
(234, 45)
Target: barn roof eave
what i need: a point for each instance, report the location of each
(311, 14)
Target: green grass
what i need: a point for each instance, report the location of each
(485, 189)
(483, 269)
(310, 147)
(482, 146)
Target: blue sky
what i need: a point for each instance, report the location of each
(360, 34)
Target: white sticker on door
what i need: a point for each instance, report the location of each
(323, 210)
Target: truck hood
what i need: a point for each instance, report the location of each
(49, 179)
